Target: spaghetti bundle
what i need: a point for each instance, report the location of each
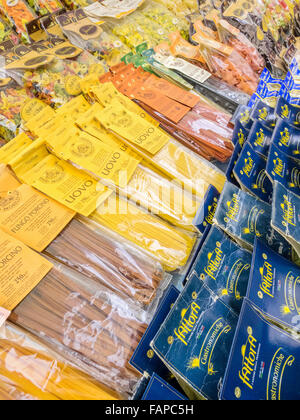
(170, 246)
(29, 370)
(162, 197)
(90, 325)
(107, 261)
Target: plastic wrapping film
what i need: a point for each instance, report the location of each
(19, 13)
(250, 22)
(43, 7)
(171, 246)
(188, 168)
(162, 197)
(161, 15)
(87, 324)
(53, 77)
(204, 130)
(12, 99)
(137, 29)
(99, 40)
(98, 255)
(29, 370)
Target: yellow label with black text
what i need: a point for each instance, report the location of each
(88, 153)
(130, 126)
(32, 217)
(21, 269)
(69, 186)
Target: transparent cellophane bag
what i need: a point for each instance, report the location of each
(169, 21)
(30, 370)
(12, 100)
(136, 29)
(171, 246)
(56, 81)
(110, 261)
(231, 36)
(88, 324)
(103, 44)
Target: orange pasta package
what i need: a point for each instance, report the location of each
(31, 371)
(221, 60)
(89, 325)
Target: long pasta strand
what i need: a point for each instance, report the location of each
(89, 323)
(31, 371)
(100, 257)
(171, 247)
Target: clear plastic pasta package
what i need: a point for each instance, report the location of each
(108, 260)
(171, 246)
(31, 371)
(97, 253)
(14, 100)
(51, 70)
(19, 13)
(96, 38)
(89, 325)
(168, 155)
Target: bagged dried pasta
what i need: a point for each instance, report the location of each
(97, 253)
(96, 38)
(169, 245)
(90, 326)
(19, 13)
(15, 101)
(31, 371)
(52, 71)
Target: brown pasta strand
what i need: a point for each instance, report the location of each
(100, 329)
(99, 257)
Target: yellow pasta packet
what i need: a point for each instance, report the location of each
(14, 147)
(69, 186)
(88, 153)
(130, 126)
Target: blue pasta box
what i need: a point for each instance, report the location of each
(160, 390)
(250, 171)
(233, 160)
(195, 340)
(224, 267)
(274, 287)
(264, 362)
(240, 134)
(144, 358)
(284, 169)
(287, 138)
(243, 115)
(260, 138)
(286, 215)
(263, 112)
(245, 218)
(287, 112)
(206, 211)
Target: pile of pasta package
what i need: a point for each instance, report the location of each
(149, 200)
